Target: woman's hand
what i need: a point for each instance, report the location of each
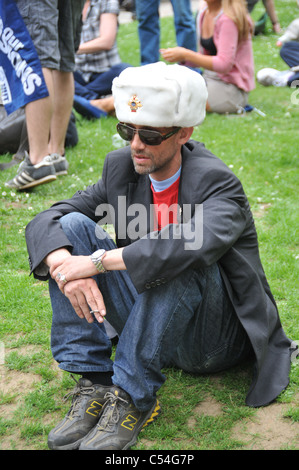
(174, 54)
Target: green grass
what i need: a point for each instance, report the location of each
(263, 152)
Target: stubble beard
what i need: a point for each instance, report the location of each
(153, 167)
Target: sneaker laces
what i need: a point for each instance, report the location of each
(51, 158)
(110, 415)
(54, 157)
(77, 395)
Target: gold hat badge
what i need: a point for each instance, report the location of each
(134, 104)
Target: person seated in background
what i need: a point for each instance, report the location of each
(289, 52)
(148, 18)
(95, 109)
(226, 54)
(97, 59)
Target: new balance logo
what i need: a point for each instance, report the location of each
(94, 409)
(129, 422)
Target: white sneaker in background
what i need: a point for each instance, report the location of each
(269, 76)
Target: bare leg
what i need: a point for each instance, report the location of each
(47, 119)
(38, 119)
(106, 104)
(62, 107)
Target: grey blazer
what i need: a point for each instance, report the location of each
(209, 193)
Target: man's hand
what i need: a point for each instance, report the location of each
(73, 267)
(78, 285)
(73, 275)
(86, 298)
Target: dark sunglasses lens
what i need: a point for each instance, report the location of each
(150, 137)
(125, 132)
(146, 136)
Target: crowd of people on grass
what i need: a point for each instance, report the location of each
(216, 41)
(182, 284)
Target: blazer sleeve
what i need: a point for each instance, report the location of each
(44, 233)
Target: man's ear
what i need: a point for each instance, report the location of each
(185, 134)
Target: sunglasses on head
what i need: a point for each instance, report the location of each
(147, 136)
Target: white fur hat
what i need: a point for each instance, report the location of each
(160, 95)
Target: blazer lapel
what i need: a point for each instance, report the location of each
(185, 188)
(139, 201)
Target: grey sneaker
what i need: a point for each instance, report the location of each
(60, 163)
(88, 400)
(119, 424)
(29, 175)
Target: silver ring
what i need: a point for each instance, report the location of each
(61, 277)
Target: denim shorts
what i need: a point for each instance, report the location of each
(54, 27)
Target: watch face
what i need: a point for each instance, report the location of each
(98, 253)
(96, 258)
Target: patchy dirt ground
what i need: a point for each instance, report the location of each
(268, 429)
(12, 382)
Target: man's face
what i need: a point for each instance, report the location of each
(162, 161)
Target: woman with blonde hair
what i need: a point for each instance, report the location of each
(225, 54)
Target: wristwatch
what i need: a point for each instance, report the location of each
(97, 258)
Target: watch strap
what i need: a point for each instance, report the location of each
(98, 261)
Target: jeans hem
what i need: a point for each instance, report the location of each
(80, 369)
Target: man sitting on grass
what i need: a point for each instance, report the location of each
(183, 283)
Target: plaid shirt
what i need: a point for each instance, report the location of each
(102, 60)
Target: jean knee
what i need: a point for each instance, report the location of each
(72, 220)
(73, 223)
(80, 229)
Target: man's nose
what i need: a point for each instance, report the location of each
(136, 142)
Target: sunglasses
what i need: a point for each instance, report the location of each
(146, 136)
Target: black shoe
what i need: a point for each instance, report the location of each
(87, 403)
(119, 424)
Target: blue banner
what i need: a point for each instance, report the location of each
(21, 77)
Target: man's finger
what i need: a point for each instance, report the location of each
(99, 315)
(96, 303)
(78, 301)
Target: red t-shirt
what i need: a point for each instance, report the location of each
(166, 205)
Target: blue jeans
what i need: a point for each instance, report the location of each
(149, 28)
(100, 84)
(187, 323)
(289, 52)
